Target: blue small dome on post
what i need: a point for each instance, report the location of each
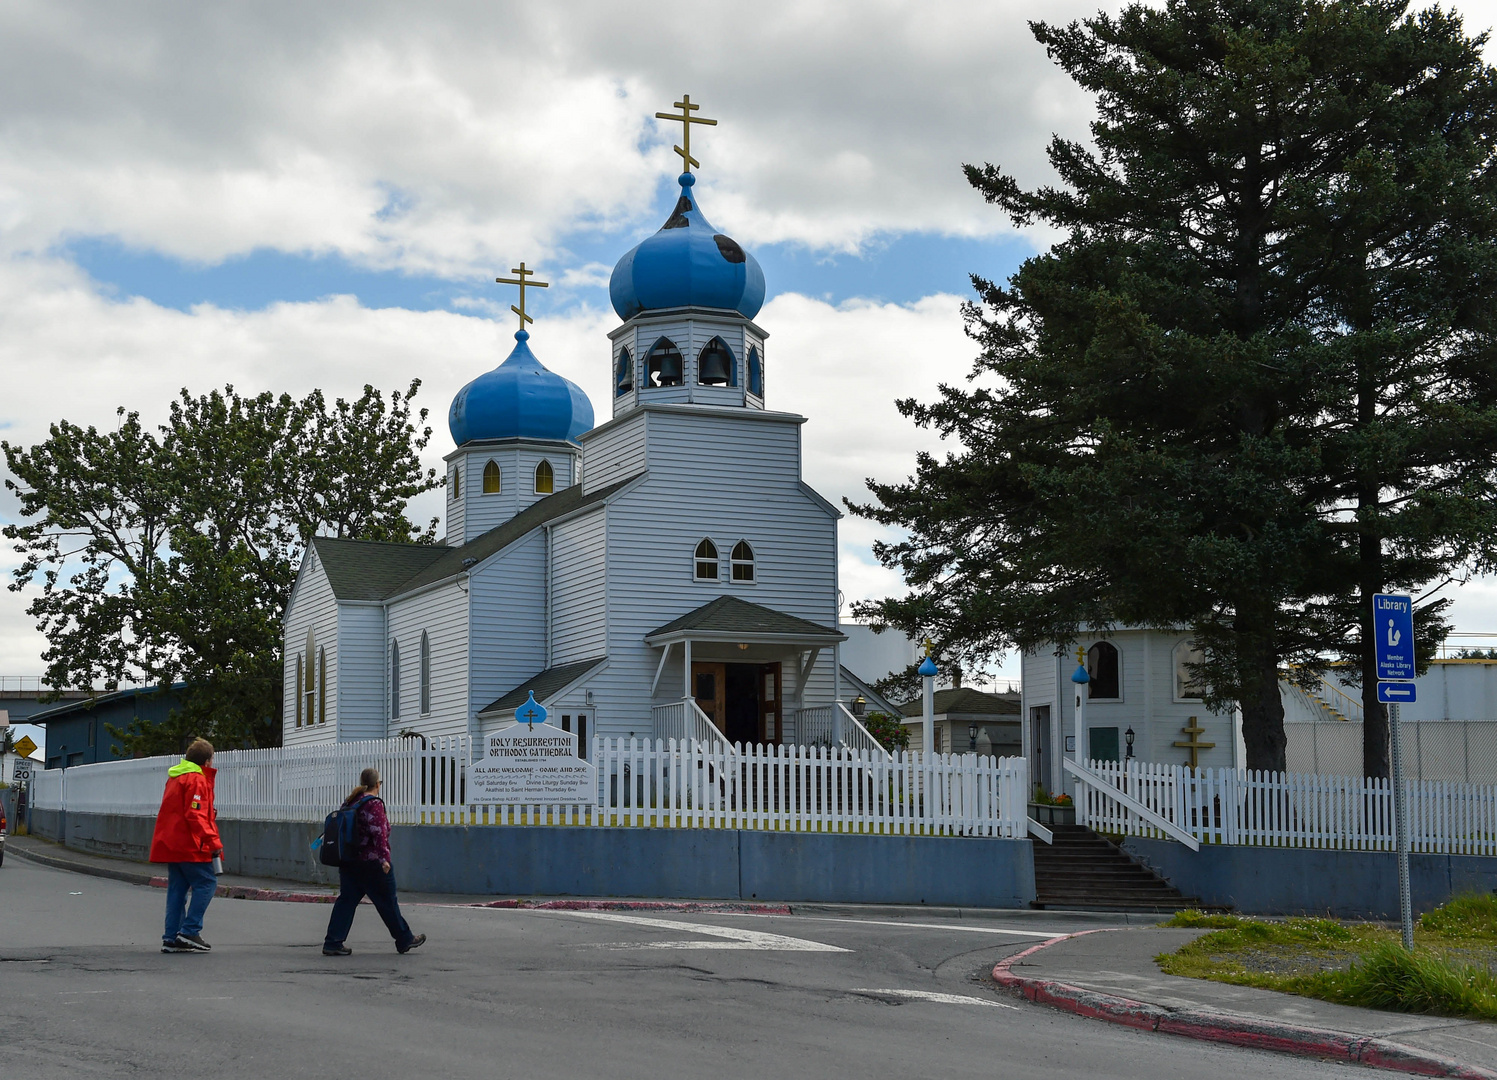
(520, 398)
(688, 263)
(1080, 675)
(928, 667)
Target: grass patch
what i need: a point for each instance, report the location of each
(1450, 972)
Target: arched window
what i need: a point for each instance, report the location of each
(1102, 666)
(299, 678)
(743, 561)
(624, 380)
(491, 478)
(457, 482)
(309, 691)
(716, 365)
(545, 479)
(755, 373)
(664, 365)
(425, 674)
(321, 685)
(1189, 686)
(394, 680)
(706, 561)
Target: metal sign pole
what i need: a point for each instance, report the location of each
(1401, 830)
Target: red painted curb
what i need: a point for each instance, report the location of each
(1234, 1029)
(637, 905)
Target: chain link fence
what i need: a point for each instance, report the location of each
(1460, 750)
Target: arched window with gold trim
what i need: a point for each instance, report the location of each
(457, 482)
(321, 685)
(299, 677)
(492, 480)
(545, 479)
(425, 674)
(394, 680)
(309, 691)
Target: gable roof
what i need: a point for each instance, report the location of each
(967, 701)
(729, 618)
(374, 570)
(60, 712)
(547, 684)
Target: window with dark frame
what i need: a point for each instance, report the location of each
(1102, 666)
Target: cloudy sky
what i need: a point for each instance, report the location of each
(285, 196)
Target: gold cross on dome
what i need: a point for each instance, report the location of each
(685, 119)
(520, 281)
(1194, 744)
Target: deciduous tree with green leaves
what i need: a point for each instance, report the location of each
(169, 556)
(1251, 381)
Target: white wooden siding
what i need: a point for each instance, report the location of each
(578, 601)
(443, 613)
(508, 598)
(614, 452)
(690, 334)
(312, 607)
(480, 512)
(361, 671)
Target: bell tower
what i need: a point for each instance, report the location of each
(688, 296)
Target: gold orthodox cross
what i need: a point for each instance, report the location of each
(685, 119)
(520, 281)
(1194, 744)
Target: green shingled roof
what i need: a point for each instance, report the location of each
(965, 701)
(545, 685)
(370, 570)
(728, 615)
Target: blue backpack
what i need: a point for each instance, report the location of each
(339, 843)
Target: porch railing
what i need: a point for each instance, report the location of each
(685, 721)
(815, 727)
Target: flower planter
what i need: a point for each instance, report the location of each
(1051, 814)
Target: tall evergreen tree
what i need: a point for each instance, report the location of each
(1161, 427)
(170, 557)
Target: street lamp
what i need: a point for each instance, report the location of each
(972, 737)
(1128, 738)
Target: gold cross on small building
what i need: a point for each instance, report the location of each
(520, 281)
(1194, 745)
(685, 119)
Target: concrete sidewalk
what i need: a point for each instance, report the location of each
(1111, 975)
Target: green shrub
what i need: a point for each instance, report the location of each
(1387, 977)
(1467, 916)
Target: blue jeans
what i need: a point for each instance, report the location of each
(182, 878)
(355, 881)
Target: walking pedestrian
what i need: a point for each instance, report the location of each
(186, 839)
(369, 874)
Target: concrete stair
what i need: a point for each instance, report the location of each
(1084, 871)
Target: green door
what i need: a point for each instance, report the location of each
(1102, 743)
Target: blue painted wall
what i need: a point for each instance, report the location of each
(77, 735)
(1311, 881)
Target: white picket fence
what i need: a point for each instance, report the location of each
(641, 783)
(1226, 806)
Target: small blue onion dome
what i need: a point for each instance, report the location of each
(687, 263)
(928, 667)
(520, 398)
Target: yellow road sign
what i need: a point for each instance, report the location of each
(24, 746)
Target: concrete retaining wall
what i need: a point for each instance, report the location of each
(718, 864)
(1311, 881)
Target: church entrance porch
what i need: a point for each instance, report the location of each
(741, 700)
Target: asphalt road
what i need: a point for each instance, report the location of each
(539, 994)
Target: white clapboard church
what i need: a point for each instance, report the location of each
(666, 573)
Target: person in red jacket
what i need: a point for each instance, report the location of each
(186, 839)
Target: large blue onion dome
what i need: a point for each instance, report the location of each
(687, 263)
(520, 398)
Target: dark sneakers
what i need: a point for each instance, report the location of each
(174, 946)
(341, 950)
(192, 943)
(416, 943)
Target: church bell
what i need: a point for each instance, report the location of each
(716, 365)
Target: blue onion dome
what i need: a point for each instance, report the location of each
(687, 263)
(520, 398)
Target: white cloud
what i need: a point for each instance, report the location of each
(446, 136)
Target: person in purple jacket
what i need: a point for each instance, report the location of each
(369, 874)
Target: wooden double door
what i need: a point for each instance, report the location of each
(743, 700)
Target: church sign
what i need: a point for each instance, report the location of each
(532, 762)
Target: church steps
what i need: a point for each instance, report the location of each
(1084, 870)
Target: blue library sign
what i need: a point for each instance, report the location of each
(1393, 621)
